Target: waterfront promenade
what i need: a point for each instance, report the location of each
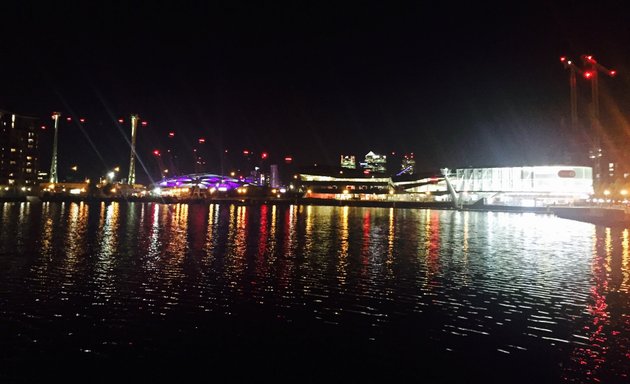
(257, 200)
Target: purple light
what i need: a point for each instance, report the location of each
(204, 181)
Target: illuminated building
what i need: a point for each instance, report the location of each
(348, 161)
(342, 183)
(408, 164)
(531, 186)
(18, 152)
(205, 185)
(274, 176)
(375, 163)
(535, 186)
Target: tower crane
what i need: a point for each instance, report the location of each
(158, 158)
(593, 74)
(573, 69)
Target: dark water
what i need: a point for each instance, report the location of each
(145, 292)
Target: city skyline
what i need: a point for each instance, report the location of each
(464, 87)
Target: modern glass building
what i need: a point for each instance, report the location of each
(515, 186)
(529, 186)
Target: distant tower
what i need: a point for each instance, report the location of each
(408, 164)
(53, 164)
(274, 176)
(348, 161)
(375, 162)
(131, 180)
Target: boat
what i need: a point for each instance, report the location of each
(613, 215)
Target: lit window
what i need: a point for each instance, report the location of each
(13, 149)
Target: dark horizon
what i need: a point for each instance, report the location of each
(458, 86)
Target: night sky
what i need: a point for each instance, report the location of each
(457, 85)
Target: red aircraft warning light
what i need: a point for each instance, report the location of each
(171, 134)
(144, 123)
(263, 155)
(156, 152)
(121, 121)
(202, 140)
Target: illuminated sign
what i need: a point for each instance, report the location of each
(566, 173)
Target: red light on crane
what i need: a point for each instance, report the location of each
(202, 140)
(156, 152)
(563, 59)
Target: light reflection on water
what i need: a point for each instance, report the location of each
(473, 289)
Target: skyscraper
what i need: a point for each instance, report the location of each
(348, 161)
(18, 151)
(375, 162)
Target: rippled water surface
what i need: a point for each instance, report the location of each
(317, 294)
